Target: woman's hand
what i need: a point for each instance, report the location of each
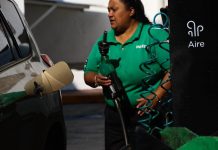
(93, 79)
(149, 103)
(101, 80)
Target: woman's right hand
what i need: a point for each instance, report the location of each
(101, 80)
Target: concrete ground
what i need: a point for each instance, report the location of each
(85, 126)
(84, 114)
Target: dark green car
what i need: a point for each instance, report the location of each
(27, 122)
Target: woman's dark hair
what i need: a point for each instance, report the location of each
(139, 10)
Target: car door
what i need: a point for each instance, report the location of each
(25, 121)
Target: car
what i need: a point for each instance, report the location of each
(27, 122)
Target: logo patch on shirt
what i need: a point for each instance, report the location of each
(141, 46)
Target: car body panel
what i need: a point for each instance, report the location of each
(26, 122)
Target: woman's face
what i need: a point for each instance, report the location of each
(119, 15)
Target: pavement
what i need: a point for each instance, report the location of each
(85, 126)
(84, 114)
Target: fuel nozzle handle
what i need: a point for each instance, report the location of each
(103, 45)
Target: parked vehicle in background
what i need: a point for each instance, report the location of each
(33, 122)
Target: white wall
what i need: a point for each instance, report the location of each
(152, 7)
(102, 3)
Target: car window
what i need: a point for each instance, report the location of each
(17, 28)
(6, 54)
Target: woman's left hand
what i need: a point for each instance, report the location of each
(144, 102)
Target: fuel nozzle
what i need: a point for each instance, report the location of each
(103, 45)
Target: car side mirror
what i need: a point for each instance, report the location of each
(50, 80)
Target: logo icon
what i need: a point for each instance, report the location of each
(194, 30)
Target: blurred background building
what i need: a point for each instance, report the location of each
(67, 29)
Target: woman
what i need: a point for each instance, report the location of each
(130, 46)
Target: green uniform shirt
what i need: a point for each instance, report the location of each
(131, 55)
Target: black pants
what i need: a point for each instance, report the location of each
(138, 138)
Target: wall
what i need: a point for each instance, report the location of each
(66, 33)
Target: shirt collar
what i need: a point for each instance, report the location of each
(111, 35)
